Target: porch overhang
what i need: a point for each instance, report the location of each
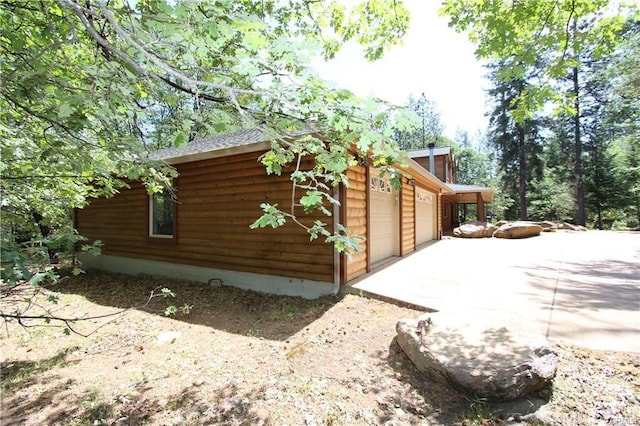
(468, 194)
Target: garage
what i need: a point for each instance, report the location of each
(425, 215)
(384, 238)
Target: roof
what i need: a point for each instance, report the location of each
(248, 140)
(438, 150)
(244, 140)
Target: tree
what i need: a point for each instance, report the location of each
(474, 166)
(521, 32)
(89, 87)
(478, 165)
(428, 128)
(622, 109)
(517, 140)
(606, 188)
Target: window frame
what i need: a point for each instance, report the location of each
(166, 238)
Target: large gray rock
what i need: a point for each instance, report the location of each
(479, 357)
(518, 230)
(474, 230)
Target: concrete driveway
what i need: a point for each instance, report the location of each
(582, 288)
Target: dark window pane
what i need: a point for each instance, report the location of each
(162, 214)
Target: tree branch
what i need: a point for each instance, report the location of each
(47, 119)
(162, 65)
(17, 67)
(48, 316)
(42, 177)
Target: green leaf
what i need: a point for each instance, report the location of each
(179, 138)
(167, 292)
(272, 217)
(311, 200)
(64, 111)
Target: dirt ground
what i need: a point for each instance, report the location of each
(241, 357)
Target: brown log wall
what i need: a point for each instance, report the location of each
(440, 166)
(218, 200)
(407, 218)
(355, 219)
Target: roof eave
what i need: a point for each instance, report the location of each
(217, 153)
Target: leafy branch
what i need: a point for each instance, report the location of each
(22, 304)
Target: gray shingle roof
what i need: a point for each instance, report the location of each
(212, 143)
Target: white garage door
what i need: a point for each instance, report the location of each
(384, 218)
(425, 215)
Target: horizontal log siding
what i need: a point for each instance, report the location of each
(408, 218)
(218, 200)
(356, 219)
(439, 164)
(441, 172)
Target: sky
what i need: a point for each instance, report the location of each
(433, 59)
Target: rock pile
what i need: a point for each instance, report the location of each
(504, 229)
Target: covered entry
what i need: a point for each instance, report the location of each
(425, 216)
(385, 227)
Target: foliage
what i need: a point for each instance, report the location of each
(551, 200)
(478, 165)
(518, 143)
(545, 57)
(428, 127)
(89, 88)
(521, 32)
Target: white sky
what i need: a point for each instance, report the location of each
(433, 59)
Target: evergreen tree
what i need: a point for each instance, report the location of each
(429, 128)
(518, 142)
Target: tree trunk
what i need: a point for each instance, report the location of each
(522, 166)
(597, 189)
(45, 232)
(577, 141)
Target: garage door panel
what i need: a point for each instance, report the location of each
(425, 215)
(384, 219)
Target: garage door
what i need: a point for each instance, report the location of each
(425, 215)
(384, 218)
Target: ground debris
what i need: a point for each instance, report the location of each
(325, 361)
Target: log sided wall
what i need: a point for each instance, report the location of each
(217, 201)
(355, 220)
(407, 218)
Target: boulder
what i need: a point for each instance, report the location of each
(571, 227)
(548, 226)
(474, 230)
(469, 230)
(481, 358)
(489, 229)
(518, 230)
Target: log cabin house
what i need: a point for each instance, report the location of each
(204, 235)
(441, 162)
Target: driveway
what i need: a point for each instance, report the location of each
(582, 288)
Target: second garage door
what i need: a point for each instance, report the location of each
(425, 215)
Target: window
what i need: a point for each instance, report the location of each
(161, 215)
(380, 185)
